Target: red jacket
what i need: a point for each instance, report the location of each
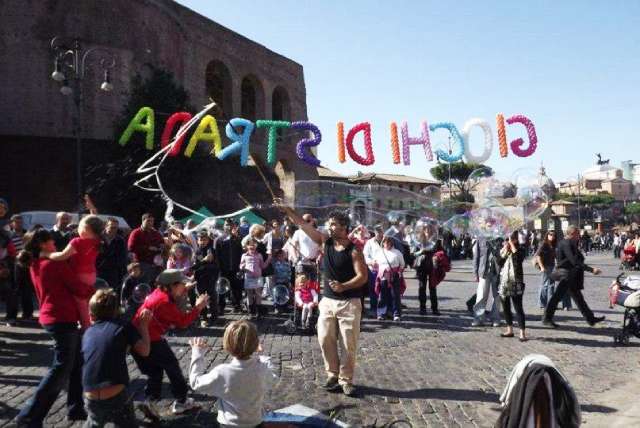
(166, 314)
(140, 241)
(56, 285)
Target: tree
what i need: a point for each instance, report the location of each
(110, 180)
(604, 199)
(462, 182)
(633, 209)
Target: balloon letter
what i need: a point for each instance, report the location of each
(422, 140)
(143, 121)
(207, 130)
(516, 145)
(174, 119)
(395, 146)
(273, 126)
(456, 154)
(488, 140)
(502, 136)
(307, 142)
(366, 128)
(240, 145)
(341, 156)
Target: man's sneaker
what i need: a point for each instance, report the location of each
(549, 323)
(348, 389)
(496, 324)
(12, 323)
(596, 320)
(477, 323)
(204, 323)
(423, 311)
(181, 407)
(150, 409)
(330, 384)
(380, 318)
(395, 318)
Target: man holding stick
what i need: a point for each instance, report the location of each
(345, 274)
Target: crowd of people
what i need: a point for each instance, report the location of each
(172, 276)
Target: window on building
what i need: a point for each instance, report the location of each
(400, 205)
(411, 187)
(390, 204)
(378, 203)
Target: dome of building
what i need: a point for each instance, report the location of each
(546, 183)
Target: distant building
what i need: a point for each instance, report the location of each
(370, 195)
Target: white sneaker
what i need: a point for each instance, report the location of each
(477, 323)
(178, 407)
(150, 409)
(396, 318)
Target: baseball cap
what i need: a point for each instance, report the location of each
(171, 276)
(378, 227)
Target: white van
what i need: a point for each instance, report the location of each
(48, 219)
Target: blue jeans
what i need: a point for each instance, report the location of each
(65, 372)
(389, 299)
(373, 297)
(118, 410)
(547, 289)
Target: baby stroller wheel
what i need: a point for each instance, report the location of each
(290, 326)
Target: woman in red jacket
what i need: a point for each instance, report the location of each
(56, 287)
(161, 359)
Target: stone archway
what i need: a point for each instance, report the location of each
(219, 88)
(252, 104)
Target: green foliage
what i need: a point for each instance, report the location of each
(110, 180)
(632, 209)
(602, 199)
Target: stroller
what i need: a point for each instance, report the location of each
(627, 294)
(629, 257)
(295, 322)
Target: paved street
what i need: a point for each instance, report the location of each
(432, 371)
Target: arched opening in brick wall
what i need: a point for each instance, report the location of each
(252, 98)
(280, 108)
(219, 88)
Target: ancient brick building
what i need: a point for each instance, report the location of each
(248, 80)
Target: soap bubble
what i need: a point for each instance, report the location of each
(222, 286)
(280, 295)
(426, 233)
(530, 193)
(458, 224)
(140, 292)
(490, 222)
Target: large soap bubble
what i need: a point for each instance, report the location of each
(490, 222)
(530, 194)
(426, 233)
(458, 224)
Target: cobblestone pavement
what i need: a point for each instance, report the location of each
(432, 371)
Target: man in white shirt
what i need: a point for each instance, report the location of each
(371, 248)
(307, 250)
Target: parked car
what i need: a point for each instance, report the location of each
(48, 219)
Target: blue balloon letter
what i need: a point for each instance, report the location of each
(456, 154)
(240, 143)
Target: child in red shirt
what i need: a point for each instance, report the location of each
(82, 253)
(306, 296)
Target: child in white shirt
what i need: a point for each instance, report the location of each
(239, 385)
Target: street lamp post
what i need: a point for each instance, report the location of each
(70, 67)
(579, 185)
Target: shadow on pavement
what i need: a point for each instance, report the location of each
(447, 394)
(596, 408)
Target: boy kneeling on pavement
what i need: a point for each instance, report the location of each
(104, 370)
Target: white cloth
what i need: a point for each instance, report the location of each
(371, 248)
(517, 372)
(239, 385)
(306, 247)
(389, 259)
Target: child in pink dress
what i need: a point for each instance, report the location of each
(82, 253)
(306, 297)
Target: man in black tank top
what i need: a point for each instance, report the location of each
(345, 274)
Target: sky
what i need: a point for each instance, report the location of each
(572, 67)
